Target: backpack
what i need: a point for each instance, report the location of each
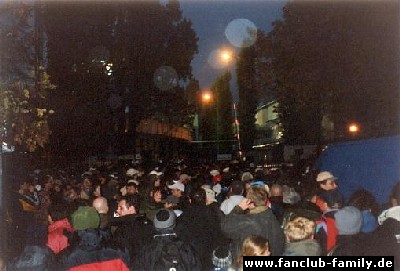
(168, 257)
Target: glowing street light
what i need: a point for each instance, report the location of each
(226, 56)
(353, 128)
(206, 97)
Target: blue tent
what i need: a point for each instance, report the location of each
(372, 164)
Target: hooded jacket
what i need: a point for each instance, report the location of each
(237, 226)
(56, 240)
(90, 252)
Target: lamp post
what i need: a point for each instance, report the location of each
(228, 57)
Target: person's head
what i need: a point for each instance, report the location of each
(276, 190)
(131, 188)
(101, 205)
(198, 197)
(327, 181)
(57, 212)
(46, 182)
(237, 188)
(164, 220)
(156, 194)
(331, 199)
(85, 217)
(348, 220)
(154, 180)
(258, 195)
(171, 202)
(97, 190)
(177, 189)
(128, 205)
(300, 228)
(255, 245)
(86, 183)
(364, 200)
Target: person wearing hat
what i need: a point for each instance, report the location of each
(178, 190)
(166, 251)
(89, 251)
(222, 258)
(326, 181)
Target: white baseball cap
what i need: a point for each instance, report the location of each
(155, 172)
(132, 172)
(177, 185)
(325, 175)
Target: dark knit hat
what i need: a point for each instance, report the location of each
(85, 217)
(348, 220)
(164, 219)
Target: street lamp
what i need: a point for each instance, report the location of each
(206, 97)
(353, 129)
(227, 56)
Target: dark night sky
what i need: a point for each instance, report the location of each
(210, 19)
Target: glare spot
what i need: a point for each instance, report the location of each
(216, 61)
(241, 33)
(165, 78)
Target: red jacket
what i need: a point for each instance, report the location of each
(56, 240)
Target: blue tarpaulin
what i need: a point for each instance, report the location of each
(372, 164)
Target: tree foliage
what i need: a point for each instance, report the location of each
(337, 60)
(248, 95)
(223, 111)
(105, 58)
(25, 83)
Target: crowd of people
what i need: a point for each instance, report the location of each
(186, 217)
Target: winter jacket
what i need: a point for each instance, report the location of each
(350, 245)
(132, 232)
(154, 256)
(200, 226)
(56, 240)
(326, 231)
(306, 247)
(385, 241)
(237, 226)
(90, 252)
